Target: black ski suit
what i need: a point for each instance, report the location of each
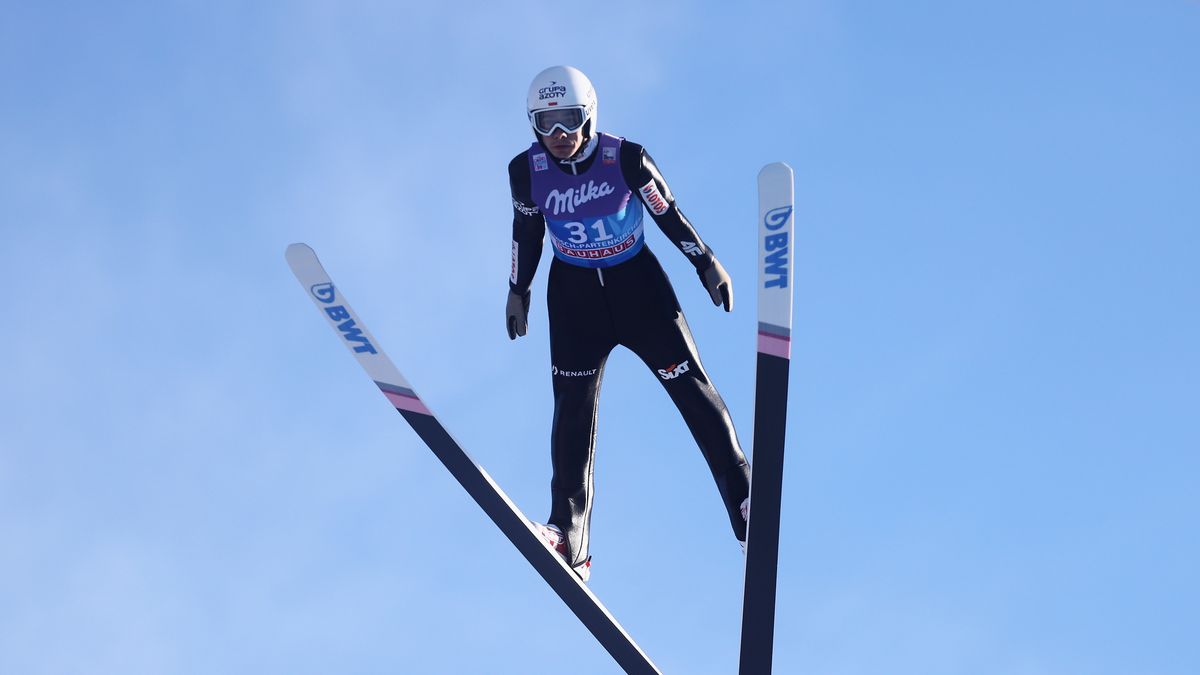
(633, 304)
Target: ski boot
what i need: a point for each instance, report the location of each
(555, 539)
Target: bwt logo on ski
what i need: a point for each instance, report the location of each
(553, 90)
(351, 332)
(673, 371)
(775, 262)
(323, 292)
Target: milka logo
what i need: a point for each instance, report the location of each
(567, 201)
(673, 371)
(350, 332)
(775, 262)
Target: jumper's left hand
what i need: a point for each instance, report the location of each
(517, 314)
(718, 283)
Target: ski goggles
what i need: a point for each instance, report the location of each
(569, 120)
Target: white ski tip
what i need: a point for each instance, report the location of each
(776, 206)
(298, 249)
(780, 169)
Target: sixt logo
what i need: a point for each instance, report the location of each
(775, 262)
(673, 371)
(338, 313)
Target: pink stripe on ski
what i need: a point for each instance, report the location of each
(409, 403)
(775, 345)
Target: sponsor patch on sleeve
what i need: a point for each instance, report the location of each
(653, 198)
(516, 249)
(527, 210)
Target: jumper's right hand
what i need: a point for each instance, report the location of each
(718, 284)
(517, 320)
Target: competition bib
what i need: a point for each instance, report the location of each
(592, 218)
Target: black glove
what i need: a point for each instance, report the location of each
(718, 284)
(518, 314)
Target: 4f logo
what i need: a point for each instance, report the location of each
(326, 294)
(691, 248)
(673, 371)
(775, 247)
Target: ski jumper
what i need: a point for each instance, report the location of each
(606, 289)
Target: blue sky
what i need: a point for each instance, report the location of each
(992, 460)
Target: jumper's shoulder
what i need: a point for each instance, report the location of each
(520, 184)
(631, 149)
(630, 146)
(633, 160)
(520, 163)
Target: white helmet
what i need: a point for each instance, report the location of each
(561, 97)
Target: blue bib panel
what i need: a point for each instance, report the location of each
(593, 219)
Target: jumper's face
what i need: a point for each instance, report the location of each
(562, 144)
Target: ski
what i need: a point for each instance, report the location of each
(775, 224)
(478, 484)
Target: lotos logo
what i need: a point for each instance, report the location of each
(673, 371)
(654, 199)
(567, 201)
(775, 246)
